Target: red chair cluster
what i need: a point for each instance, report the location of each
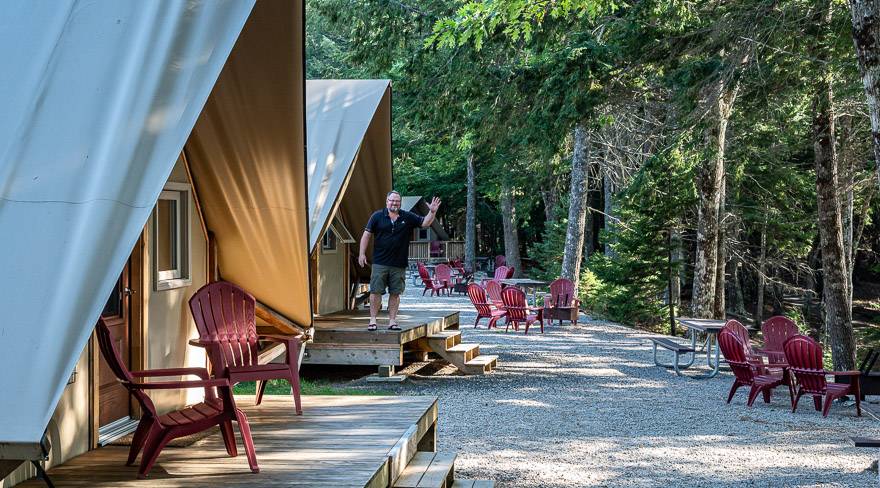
(226, 322)
(793, 359)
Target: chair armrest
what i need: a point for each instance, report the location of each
(844, 373)
(200, 343)
(200, 372)
(176, 385)
(280, 338)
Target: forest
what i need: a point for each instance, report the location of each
(673, 157)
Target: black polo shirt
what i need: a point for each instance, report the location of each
(391, 245)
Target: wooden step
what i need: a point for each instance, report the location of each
(446, 338)
(482, 364)
(465, 351)
(473, 484)
(428, 470)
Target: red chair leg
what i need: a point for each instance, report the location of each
(767, 394)
(827, 407)
(261, 388)
(858, 393)
(753, 393)
(154, 444)
(736, 385)
(295, 391)
(140, 435)
(817, 402)
(477, 322)
(228, 438)
(794, 402)
(247, 440)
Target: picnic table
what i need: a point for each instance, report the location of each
(711, 328)
(528, 285)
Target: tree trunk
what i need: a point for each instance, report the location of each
(550, 198)
(737, 289)
(759, 291)
(838, 315)
(866, 38)
(710, 180)
(720, 304)
(470, 228)
(511, 236)
(675, 267)
(577, 210)
(608, 191)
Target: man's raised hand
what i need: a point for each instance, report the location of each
(434, 205)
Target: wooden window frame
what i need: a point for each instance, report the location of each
(181, 276)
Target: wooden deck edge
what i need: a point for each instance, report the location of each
(413, 441)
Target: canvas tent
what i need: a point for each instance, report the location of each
(248, 163)
(99, 107)
(349, 158)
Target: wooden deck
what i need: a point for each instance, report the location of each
(339, 441)
(343, 338)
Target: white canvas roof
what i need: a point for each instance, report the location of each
(347, 121)
(98, 99)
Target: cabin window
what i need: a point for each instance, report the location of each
(328, 243)
(170, 239)
(423, 234)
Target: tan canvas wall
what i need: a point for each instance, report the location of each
(247, 157)
(370, 180)
(69, 427)
(168, 322)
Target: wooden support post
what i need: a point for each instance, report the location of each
(386, 371)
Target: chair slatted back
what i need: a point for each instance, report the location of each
(501, 273)
(443, 273)
(735, 350)
(776, 330)
(224, 315)
(561, 293)
(423, 274)
(478, 298)
(514, 301)
(740, 331)
(804, 355)
(117, 365)
(493, 288)
(510, 271)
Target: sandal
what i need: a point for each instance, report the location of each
(372, 327)
(393, 327)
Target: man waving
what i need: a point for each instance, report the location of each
(392, 228)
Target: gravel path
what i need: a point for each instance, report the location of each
(585, 406)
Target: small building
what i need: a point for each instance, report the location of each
(432, 243)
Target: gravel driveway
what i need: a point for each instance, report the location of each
(585, 406)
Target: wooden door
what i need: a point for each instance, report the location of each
(113, 399)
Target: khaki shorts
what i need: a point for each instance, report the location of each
(390, 277)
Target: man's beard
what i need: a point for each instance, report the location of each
(394, 208)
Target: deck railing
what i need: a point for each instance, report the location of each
(421, 251)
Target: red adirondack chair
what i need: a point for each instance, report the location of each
(493, 289)
(804, 356)
(500, 260)
(225, 319)
(433, 285)
(483, 306)
(746, 372)
(776, 330)
(562, 304)
(501, 273)
(443, 274)
(742, 333)
(518, 311)
(154, 431)
(435, 249)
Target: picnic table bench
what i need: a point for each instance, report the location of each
(677, 349)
